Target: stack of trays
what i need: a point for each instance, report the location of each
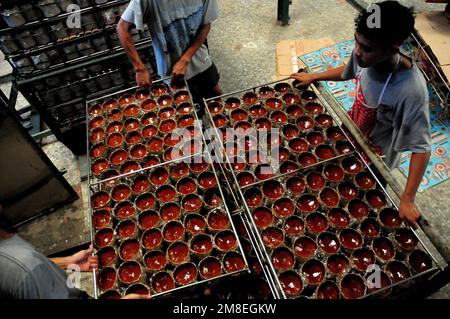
(327, 228)
(159, 217)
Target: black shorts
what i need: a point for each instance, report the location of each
(202, 85)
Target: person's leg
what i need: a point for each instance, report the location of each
(204, 86)
(217, 90)
(283, 11)
(447, 11)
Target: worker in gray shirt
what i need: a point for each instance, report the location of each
(179, 29)
(27, 274)
(391, 101)
(30, 275)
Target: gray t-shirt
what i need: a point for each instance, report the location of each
(403, 121)
(27, 274)
(173, 26)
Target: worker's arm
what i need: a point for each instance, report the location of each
(306, 79)
(180, 68)
(408, 209)
(143, 77)
(82, 259)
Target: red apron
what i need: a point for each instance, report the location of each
(364, 115)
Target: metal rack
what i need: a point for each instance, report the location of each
(97, 184)
(57, 66)
(435, 77)
(63, 43)
(256, 234)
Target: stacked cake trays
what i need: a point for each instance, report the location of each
(160, 222)
(321, 220)
(254, 285)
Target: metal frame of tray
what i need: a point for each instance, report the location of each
(132, 89)
(220, 172)
(97, 184)
(341, 117)
(247, 217)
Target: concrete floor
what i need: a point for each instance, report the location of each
(242, 40)
(242, 43)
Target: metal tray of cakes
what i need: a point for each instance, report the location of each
(159, 219)
(321, 219)
(134, 129)
(255, 284)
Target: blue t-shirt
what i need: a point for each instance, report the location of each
(173, 25)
